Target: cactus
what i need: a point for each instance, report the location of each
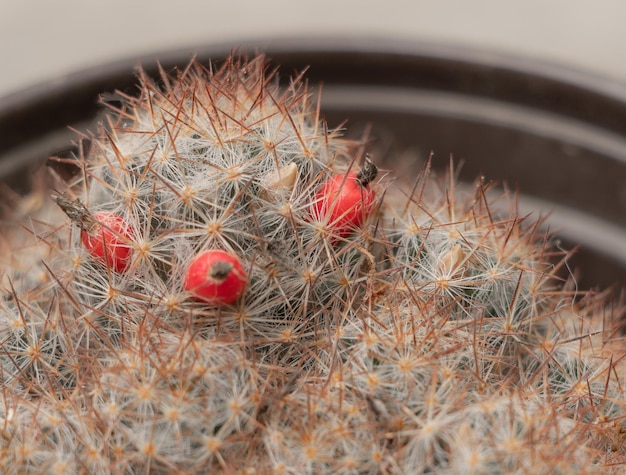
(367, 328)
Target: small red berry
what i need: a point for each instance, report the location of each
(345, 201)
(107, 239)
(215, 277)
(105, 235)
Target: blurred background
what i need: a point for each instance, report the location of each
(41, 40)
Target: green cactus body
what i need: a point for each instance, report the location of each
(429, 338)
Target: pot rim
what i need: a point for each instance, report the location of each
(49, 107)
(597, 83)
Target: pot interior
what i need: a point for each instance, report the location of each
(556, 136)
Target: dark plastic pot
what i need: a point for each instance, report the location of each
(557, 135)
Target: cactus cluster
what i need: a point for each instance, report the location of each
(228, 286)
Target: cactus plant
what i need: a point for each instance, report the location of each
(366, 328)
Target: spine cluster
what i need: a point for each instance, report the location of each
(228, 286)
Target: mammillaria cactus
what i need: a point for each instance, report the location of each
(227, 286)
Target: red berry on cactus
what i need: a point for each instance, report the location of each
(215, 277)
(105, 235)
(107, 240)
(345, 201)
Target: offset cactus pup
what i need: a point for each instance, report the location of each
(432, 334)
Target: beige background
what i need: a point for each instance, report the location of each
(46, 39)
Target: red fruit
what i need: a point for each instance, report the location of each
(344, 202)
(106, 238)
(215, 277)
